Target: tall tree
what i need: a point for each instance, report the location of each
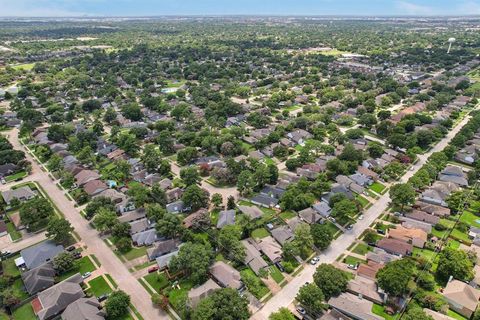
(402, 194)
(223, 304)
(59, 229)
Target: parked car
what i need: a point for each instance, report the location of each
(86, 275)
(314, 261)
(103, 297)
(353, 266)
(301, 310)
(77, 255)
(380, 231)
(71, 248)
(360, 217)
(280, 267)
(153, 269)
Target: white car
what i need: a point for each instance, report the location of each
(86, 275)
(360, 217)
(314, 261)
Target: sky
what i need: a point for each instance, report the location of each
(57, 8)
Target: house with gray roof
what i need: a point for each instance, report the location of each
(140, 225)
(454, 174)
(264, 200)
(39, 278)
(54, 300)
(322, 208)
(225, 218)
(145, 238)
(253, 257)
(21, 194)
(177, 207)
(226, 275)
(201, 292)
(354, 307)
(282, 234)
(84, 309)
(162, 248)
(41, 253)
(309, 215)
(163, 261)
(253, 212)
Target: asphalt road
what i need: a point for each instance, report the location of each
(284, 297)
(110, 262)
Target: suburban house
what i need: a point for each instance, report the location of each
(85, 176)
(282, 234)
(437, 315)
(226, 218)
(54, 300)
(438, 211)
(21, 194)
(416, 237)
(353, 306)
(84, 309)
(394, 246)
(310, 216)
(39, 278)
(366, 288)
(193, 218)
(271, 248)
(253, 257)
(454, 174)
(38, 254)
(225, 275)
(145, 238)
(322, 208)
(94, 187)
(461, 297)
(253, 212)
(438, 193)
(162, 248)
(201, 292)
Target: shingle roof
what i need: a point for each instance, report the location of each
(226, 275)
(252, 211)
(38, 254)
(84, 309)
(20, 193)
(39, 278)
(226, 217)
(202, 291)
(462, 294)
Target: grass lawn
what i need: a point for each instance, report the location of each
(158, 281)
(14, 234)
(81, 266)
(257, 291)
(362, 249)
(459, 235)
(99, 286)
(454, 244)
(16, 176)
(4, 316)
(455, 315)
(380, 311)
(23, 66)
(135, 253)
(178, 297)
(427, 254)
(109, 277)
(25, 312)
(364, 202)
(292, 108)
(470, 219)
(377, 187)
(248, 147)
(9, 267)
(276, 274)
(287, 215)
(19, 288)
(260, 233)
(353, 260)
(332, 227)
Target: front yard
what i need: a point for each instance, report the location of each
(99, 286)
(377, 187)
(81, 266)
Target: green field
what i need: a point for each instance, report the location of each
(158, 281)
(23, 66)
(25, 312)
(276, 274)
(260, 233)
(99, 286)
(81, 266)
(362, 249)
(377, 187)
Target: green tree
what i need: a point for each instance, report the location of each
(223, 304)
(35, 213)
(416, 313)
(311, 297)
(229, 243)
(282, 314)
(217, 200)
(331, 280)
(195, 197)
(322, 236)
(394, 277)
(59, 229)
(124, 244)
(105, 220)
(140, 195)
(194, 260)
(97, 203)
(245, 183)
(117, 305)
(303, 240)
(455, 263)
(402, 194)
(169, 225)
(63, 262)
(190, 175)
(231, 203)
(344, 208)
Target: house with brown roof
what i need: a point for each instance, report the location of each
(366, 288)
(226, 275)
(438, 211)
(85, 176)
(201, 292)
(271, 248)
(417, 237)
(192, 218)
(116, 154)
(461, 297)
(369, 270)
(437, 315)
(84, 309)
(253, 257)
(353, 306)
(423, 217)
(253, 212)
(396, 247)
(94, 187)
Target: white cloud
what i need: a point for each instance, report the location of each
(409, 8)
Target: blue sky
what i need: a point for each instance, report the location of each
(234, 7)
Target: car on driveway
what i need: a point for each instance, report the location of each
(314, 261)
(86, 275)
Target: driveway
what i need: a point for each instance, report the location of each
(110, 263)
(288, 292)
